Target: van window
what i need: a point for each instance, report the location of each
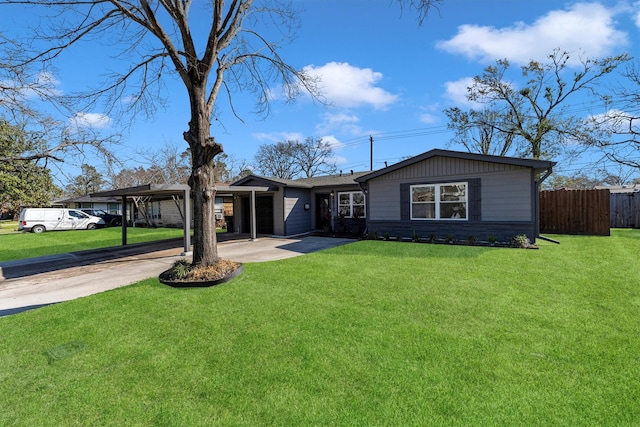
(78, 215)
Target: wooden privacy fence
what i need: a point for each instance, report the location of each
(575, 212)
(625, 210)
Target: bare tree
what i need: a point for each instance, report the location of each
(620, 125)
(423, 7)
(293, 159)
(315, 156)
(479, 131)
(278, 160)
(233, 55)
(50, 138)
(536, 114)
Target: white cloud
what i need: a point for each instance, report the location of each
(615, 121)
(427, 115)
(456, 92)
(334, 142)
(342, 122)
(428, 118)
(279, 136)
(636, 14)
(91, 120)
(346, 86)
(585, 28)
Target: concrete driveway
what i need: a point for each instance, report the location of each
(34, 282)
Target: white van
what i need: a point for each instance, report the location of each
(39, 220)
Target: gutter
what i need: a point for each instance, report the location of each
(538, 182)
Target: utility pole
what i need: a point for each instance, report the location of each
(370, 152)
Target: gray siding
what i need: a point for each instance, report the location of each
(506, 197)
(297, 219)
(278, 213)
(505, 189)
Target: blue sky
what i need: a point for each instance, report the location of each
(384, 75)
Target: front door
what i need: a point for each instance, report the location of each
(323, 212)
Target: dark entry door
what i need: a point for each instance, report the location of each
(323, 211)
(264, 215)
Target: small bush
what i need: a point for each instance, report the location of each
(492, 239)
(520, 241)
(180, 269)
(415, 237)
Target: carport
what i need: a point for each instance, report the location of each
(183, 191)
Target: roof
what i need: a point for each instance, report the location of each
(171, 189)
(631, 188)
(315, 181)
(86, 198)
(530, 163)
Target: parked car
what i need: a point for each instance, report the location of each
(39, 220)
(109, 219)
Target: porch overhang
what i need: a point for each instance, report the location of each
(184, 191)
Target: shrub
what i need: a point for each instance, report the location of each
(180, 269)
(492, 239)
(520, 241)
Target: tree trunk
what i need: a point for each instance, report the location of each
(203, 186)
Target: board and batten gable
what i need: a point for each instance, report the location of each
(501, 196)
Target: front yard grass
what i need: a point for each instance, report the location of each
(370, 333)
(27, 245)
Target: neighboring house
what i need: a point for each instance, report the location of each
(167, 212)
(438, 193)
(108, 204)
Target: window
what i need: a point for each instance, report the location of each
(113, 208)
(351, 204)
(439, 201)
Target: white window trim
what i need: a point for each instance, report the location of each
(351, 193)
(437, 201)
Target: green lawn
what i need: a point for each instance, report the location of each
(8, 227)
(26, 245)
(370, 333)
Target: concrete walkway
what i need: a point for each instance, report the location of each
(32, 283)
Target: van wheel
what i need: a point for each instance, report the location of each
(116, 222)
(91, 226)
(38, 229)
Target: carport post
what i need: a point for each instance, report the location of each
(253, 215)
(124, 220)
(187, 222)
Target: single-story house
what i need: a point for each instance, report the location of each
(438, 193)
(107, 204)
